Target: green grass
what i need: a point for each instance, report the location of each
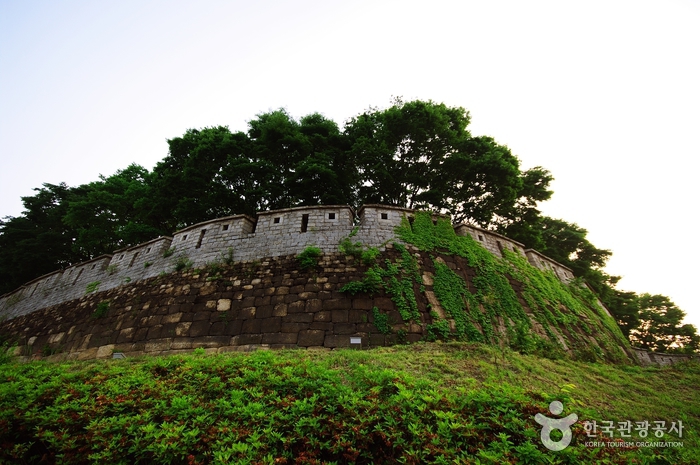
(423, 403)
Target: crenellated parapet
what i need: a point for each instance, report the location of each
(241, 238)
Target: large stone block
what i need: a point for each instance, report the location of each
(126, 335)
(296, 307)
(358, 316)
(271, 325)
(362, 303)
(280, 338)
(264, 311)
(293, 327)
(217, 328)
(246, 313)
(314, 305)
(279, 310)
(344, 328)
(158, 344)
(325, 326)
(251, 326)
(298, 318)
(105, 351)
(244, 339)
(200, 328)
(181, 343)
(336, 304)
(210, 341)
(171, 318)
(182, 329)
(339, 316)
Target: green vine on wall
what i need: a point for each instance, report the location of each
(460, 305)
(381, 321)
(495, 299)
(397, 279)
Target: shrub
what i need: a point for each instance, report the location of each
(101, 309)
(5, 356)
(227, 257)
(183, 263)
(371, 283)
(354, 249)
(92, 287)
(308, 259)
(169, 252)
(369, 256)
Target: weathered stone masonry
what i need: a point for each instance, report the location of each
(273, 234)
(264, 300)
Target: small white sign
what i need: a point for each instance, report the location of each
(355, 340)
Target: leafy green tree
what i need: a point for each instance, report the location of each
(567, 243)
(298, 163)
(188, 186)
(624, 307)
(660, 329)
(420, 155)
(107, 214)
(38, 242)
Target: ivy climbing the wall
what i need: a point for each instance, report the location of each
(559, 308)
(397, 279)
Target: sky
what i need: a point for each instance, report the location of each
(603, 94)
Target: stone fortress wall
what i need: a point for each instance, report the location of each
(240, 238)
(277, 235)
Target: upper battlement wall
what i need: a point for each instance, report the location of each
(496, 243)
(241, 238)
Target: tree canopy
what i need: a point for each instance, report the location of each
(417, 154)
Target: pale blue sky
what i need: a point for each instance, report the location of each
(604, 94)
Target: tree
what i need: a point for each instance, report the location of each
(624, 307)
(660, 328)
(188, 186)
(420, 155)
(108, 214)
(38, 242)
(299, 163)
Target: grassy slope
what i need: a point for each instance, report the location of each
(424, 403)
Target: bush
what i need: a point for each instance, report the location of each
(370, 284)
(101, 309)
(183, 263)
(92, 287)
(227, 257)
(308, 259)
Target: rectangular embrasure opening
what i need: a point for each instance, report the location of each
(304, 222)
(201, 236)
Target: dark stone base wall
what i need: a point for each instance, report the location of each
(265, 304)
(270, 303)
